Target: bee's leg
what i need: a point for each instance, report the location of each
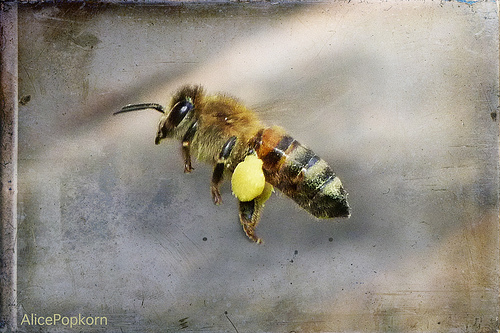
(186, 142)
(219, 170)
(250, 217)
(250, 212)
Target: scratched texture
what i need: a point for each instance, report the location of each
(401, 98)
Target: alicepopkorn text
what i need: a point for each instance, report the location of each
(56, 319)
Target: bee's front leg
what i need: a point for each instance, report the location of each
(186, 143)
(219, 170)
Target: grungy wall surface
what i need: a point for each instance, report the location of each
(399, 97)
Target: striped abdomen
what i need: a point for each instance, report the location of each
(300, 174)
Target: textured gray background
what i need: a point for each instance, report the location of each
(399, 97)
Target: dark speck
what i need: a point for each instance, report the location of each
(25, 99)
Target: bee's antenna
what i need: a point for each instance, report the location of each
(144, 106)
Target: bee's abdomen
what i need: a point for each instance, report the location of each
(301, 174)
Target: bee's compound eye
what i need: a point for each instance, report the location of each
(179, 112)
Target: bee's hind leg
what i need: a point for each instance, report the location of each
(249, 212)
(219, 170)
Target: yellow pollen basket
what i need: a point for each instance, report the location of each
(248, 179)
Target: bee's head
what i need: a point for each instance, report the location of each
(181, 108)
(169, 122)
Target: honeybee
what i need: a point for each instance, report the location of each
(218, 129)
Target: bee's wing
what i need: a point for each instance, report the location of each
(274, 111)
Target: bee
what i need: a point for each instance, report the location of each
(220, 130)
